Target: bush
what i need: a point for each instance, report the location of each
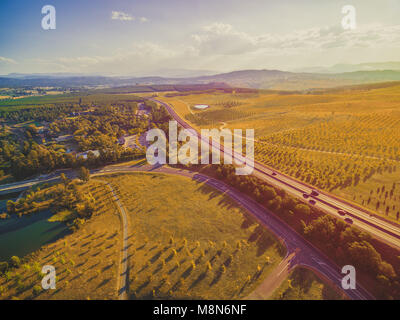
(302, 209)
(15, 261)
(3, 267)
(36, 290)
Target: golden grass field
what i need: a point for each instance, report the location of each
(189, 241)
(304, 284)
(346, 141)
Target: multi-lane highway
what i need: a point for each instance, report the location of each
(384, 230)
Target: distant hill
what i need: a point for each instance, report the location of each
(281, 80)
(257, 79)
(342, 68)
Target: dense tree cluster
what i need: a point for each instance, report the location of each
(64, 196)
(47, 112)
(23, 153)
(349, 246)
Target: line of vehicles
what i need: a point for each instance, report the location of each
(341, 212)
(315, 193)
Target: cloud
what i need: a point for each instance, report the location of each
(137, 57)
(7, 60)
(221, 47)
(224, 39)
(143, 19)
(119, 15)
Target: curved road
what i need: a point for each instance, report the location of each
(299, 251)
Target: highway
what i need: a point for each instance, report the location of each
(384, 230)
(299, 251)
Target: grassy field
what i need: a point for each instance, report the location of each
(189, 241)
(303, 284)
(86, 261)
(346, 141)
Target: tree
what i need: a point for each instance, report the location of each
(11, 206)
(15, 261)
(302, 209)
(3, 267)
(363, 255)
(65, 180)
(36, 290)
(84, 174)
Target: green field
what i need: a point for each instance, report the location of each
(69, 98)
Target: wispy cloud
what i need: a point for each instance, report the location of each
(7, 60)
(119, 15)
(143, 19)
(221, 46)
(224, 39)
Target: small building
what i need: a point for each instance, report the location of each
(96, 153)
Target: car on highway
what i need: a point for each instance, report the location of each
(306, 196)
(274, 173)
(314, 193)
(349, 221)
(342, 212)
(312, 201)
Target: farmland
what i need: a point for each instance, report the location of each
(189, 241)
(345, 141)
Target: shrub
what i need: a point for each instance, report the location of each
(3, 267)
(302, 209)
(15, 261)
(36, 290)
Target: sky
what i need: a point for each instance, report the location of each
(156, 37)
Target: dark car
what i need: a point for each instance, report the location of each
(314, 193)
(305, 195)
(274, 173)
(348, 220)
(342, 212)
(312, 201)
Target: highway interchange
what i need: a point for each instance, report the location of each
(299, 251)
